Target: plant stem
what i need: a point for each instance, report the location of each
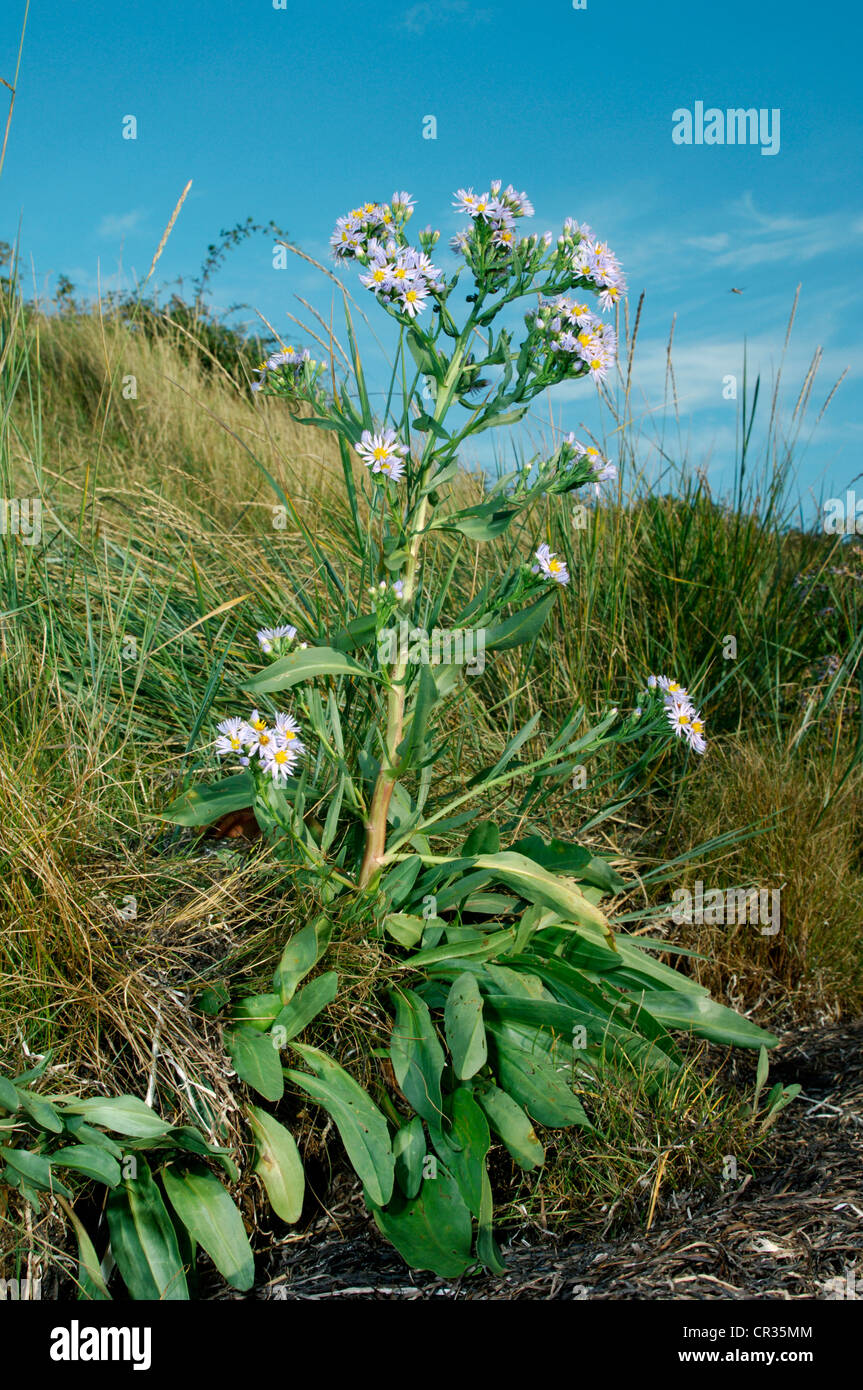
(376, 825)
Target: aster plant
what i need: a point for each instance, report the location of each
(508, 995)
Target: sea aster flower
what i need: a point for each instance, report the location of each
(414, 300)
(679, 713)
(270, 636)
(288, 731)
(231, 737)
(549, 565)
(695, 733)
(279, 761)
(382, 453)
(258, 736)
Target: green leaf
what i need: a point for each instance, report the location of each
(404, 928)
(212, 1219)
(205, 804)
(257, 1010)
(305, 1006)
(704, 1016)
(358, 633)
(511, 1124)
(85, 1134)
(362, 1127)
(34, 1168)
(143, 1240)
(122, 1114)
(303, 666)
(301, 954)
(525, 1070)
(433, 1230)
(417, 1056)
(9, 1098)
(94, 1162)
(256, 1061)
(537, 885)
(556, 856)
(483, 839)
(465, 1033)
(91, 1285)
(467, 1143)
(278, 1165)
(409, 1149)
(43, 1114)
(521, 627)
(484, 522)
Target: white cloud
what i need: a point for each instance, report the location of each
(115, 225)
(422, 17)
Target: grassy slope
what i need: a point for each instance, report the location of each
(136, 619)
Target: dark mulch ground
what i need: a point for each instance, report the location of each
(792, 1230)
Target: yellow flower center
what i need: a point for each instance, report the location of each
(280, 756)
(259, 724)
(555, 566)
(263, 739)
(235, 742)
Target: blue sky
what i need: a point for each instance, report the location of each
(296, 114)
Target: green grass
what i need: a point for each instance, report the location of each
(132, 626)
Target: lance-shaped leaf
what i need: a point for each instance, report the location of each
(526, 1070)
(484, 522)
(91, 1160)
(521, 627)
(698, 1013)
(256, 1060)
(143, 1240)
(511, 1124)
(278, 1165)
(258, 1010)
(417, 1056)
(301, 954)
(303, 666)
(304, 1007)
(91, 1285)
(433, 1230)
(409, 1148)
(205, 804)
(122, 1114)
(465, 1032)
(212, 1219)
(362, 1127)
(545, 889)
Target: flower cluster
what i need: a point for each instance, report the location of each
(493, 211)
(363, 227)
(289, 366)
(382, 453)
(549, 565)
(593, 261)
(575, 336)
(602, 470)
(274, 640)
(401, 276)
(278, 748)
(685, 720)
